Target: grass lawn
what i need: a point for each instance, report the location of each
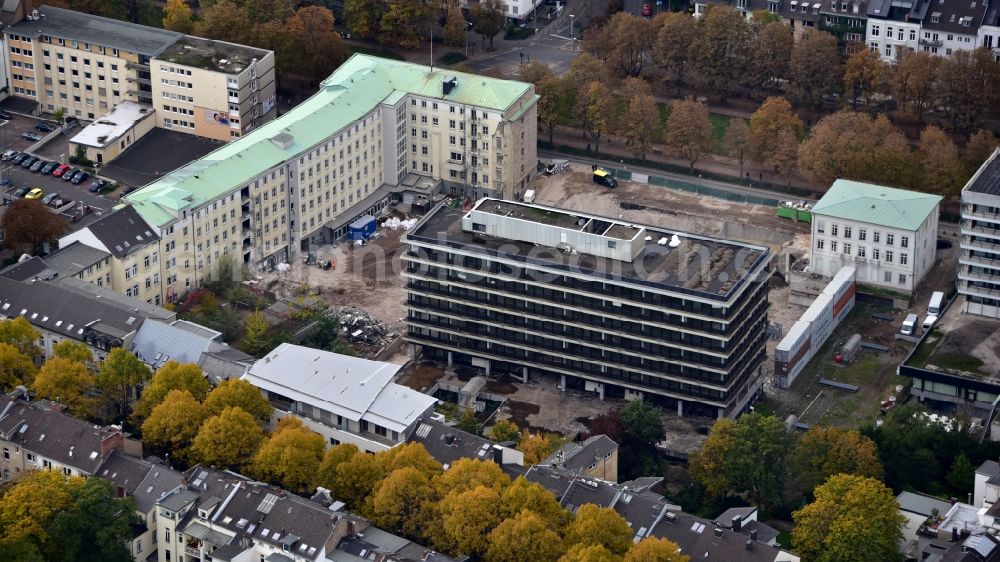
(956, 362)
(784, 539)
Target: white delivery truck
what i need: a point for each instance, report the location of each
(909, 325)
(529, 196)
(934, 309)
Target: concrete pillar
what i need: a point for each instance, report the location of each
(562, 383)
(680, 408)
(413, 351)
(722, 413)
(600, 391)
(450, 360)
(524, 374)
(488, 363)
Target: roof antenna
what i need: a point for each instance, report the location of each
(432, 50)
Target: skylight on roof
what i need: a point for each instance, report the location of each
(149, 490)
(265, 532)
(93, 455)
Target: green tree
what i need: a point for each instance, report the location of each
(853, 519)
(68, 383)
(737, 140)
(228, 439)
(523, 495)
(555, 104)
(120, 374)
(290, 457)
(256, 338)
(689, 131)
(177, 17)
(814, 70)
(363, 16)
(825, 451)
(22, 335)
(28, 225)
(942, 170)
(97, 527)
(603, 526)
(749, 456)
(504, 430)
(525, 536)
(28, 507)
(171, 376)
(655, 549)
(173, 424)
(74, 351)
(591, 553)
(962, 475)
(721, 49)
(643, 422)
(16, 368)
(488, 17)
(401, 503)
(238, 392)
(224, 20)
(469, 423)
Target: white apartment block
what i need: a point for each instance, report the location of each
(979, 256)
(376, 130)
(889, 235)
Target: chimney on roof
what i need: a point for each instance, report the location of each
(113, 441)
(449, 438)
(448, 85)
(749, 545)
(718, 531)
(56, 407)
(737, 523)
(954, 534)
(753, 534)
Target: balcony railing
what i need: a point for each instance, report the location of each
(967, 288)
(968, 212)
(973, 276)
(192, 551)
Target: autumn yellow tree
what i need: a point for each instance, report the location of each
(228, 439)
(708, 464)
(655, 549)
(689, 131)
(356, 480)
(737, 140)
(174, 423)
(319, 47)
(599, 113)
(467, 518)
(526, 536)
(864, 76)
(942, 170)
(68, 383)
(403, 502)
(74, 351)
(981, 145)
(120, 375)
(602, 526)
(16, 368)
(825, 451)
(177, 17)
(20, 334)
(853, 519)
(466, 474)
(290, 457)
(238, 392)
(766, 125)
(412, 455)
(504, 430)
(535, 448)
(335, 456)
(26, 508)
(523, 495)
(224, 20)
(171, 376)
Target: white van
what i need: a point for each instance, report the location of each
(934, 309)
(909, 325)
(529, 196)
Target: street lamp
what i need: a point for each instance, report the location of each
(571, 16)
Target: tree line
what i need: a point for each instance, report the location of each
(724, 54)
(845, 144)
(406, 23)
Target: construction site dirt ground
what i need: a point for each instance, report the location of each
(367, 277)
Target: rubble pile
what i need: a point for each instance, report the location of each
(359, 327)
(395, 223)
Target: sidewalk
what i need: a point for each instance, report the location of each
(614, 148)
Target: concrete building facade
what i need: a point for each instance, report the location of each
(979, 256)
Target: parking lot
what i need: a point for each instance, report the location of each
(51, 184)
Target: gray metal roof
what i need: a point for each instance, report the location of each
(75, 258)
(158, 342)
(987, 179)
(31, 268)
(922, 504)
(122, 232)
(78, 26)
(580, 456)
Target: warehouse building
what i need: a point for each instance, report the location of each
(979, 259)
(602, 305)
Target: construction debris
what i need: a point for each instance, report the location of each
(395, 223)
(359, 327)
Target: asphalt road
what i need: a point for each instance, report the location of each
(554, 50)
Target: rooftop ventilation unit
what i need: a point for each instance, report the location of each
(448, 85)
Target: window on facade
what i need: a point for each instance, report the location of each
(903, 259)
(888, 277)
(890, 238)
(833, 245)
(847, 249)
(834, 229)
(847, 232)
(862, 234)
(888, 256)
(904, 241)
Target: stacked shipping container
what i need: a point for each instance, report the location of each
(816, 324)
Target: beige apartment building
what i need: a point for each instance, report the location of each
(88, 65)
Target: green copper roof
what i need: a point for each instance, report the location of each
(876, 204)
(351, 92)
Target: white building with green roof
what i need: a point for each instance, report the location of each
(376, 130)
(888, 234)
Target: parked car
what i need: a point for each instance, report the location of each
(30, 136)
(9, 154)
(50, 197)
(60, 202)
(68, 174)
(50, 167)
(21, 191)
(34, 194)
(6, 181)
(97, 186)
(5, 115)
(37, 166)
(80, 177)
(127, 191)
(943, 244)
(27, 162)
(60, 170)
(45, 127)
(19, 158)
